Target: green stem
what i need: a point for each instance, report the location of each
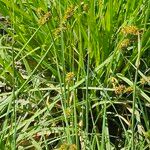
(135, 91)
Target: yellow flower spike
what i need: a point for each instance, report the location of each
(124, 44)
(70, 76)
(128, 90)
(133, 30)
(44, 18)
(120, 89)
(69, 13)
(57, 32)
(66, 146)
(145, 80)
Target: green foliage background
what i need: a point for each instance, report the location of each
(75, 74)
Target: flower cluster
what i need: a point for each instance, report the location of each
(124, 44)
(44, 18)
(62, 26)
(128, 90)
(66, 146)
(70, 76)
(132, 30)
(120, 89)
(58, 31)
(145, 80)
(69, 13)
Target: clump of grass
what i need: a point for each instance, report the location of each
(74, 75)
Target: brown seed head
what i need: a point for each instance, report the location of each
(120, 89)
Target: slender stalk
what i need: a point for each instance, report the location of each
(135, 92)
(14, 102)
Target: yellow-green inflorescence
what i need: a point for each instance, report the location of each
(133, 30)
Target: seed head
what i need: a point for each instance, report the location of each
(124, 44)
(66, 146)
(120, 89)
(44, 18)
(57, 32)
(132, 30)
(128, 90)
(70, 76)
(145, 80)
(69, 13)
